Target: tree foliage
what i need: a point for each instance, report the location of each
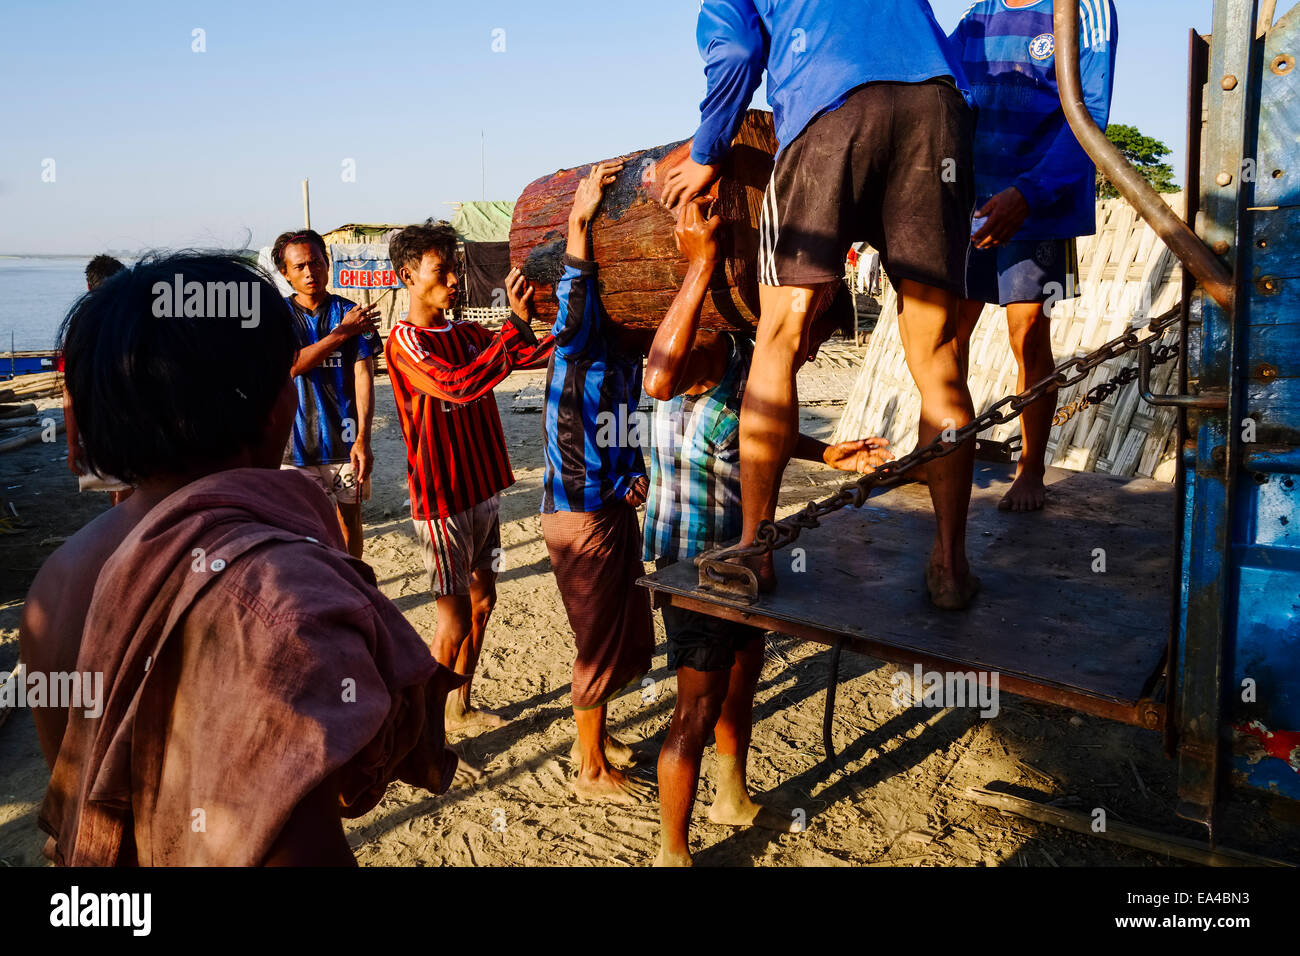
(1143, 152)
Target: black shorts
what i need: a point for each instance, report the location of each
(700, 641)
(893, 167)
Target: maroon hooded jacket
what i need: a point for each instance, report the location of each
(246, 658)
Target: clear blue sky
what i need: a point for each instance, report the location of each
(155, 145)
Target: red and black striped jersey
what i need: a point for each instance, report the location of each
(442, 382)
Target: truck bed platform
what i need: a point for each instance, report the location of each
(1051, 627)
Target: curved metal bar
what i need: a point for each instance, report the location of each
(1170, 401)
(1194, 254)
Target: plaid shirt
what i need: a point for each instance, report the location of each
(694, 500)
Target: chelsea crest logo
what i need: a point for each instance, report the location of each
(1042, 46)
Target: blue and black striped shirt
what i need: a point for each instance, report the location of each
(591, 425)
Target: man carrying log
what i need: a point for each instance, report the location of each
(594, 481)
(335, 376)
(1037, 187)
(443, 373)
(257, 685)
(697, 380)
(875, 140)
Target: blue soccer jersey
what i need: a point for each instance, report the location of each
(326, 424)
(1022, 138)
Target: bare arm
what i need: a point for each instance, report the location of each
(358, 320)
(674, 342)
(808, 449)
(364, 378)
(862, 456)
(309, 357)
(586, 202)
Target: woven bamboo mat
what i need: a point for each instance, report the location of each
(1127, 276)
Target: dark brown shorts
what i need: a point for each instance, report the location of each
(891, 167)
(596, 556)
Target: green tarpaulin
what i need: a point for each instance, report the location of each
(484, 221)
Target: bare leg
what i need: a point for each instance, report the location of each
(769, 416)
(350, 522)
(733, 805)
(1031, 342)
(461, 714)
(455, 622)
(927, 323)
(597, 779)
(700, 696)
(968, 318)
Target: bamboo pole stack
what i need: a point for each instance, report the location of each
(35, 385)
(1127, 277)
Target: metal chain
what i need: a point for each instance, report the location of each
(775, 535)
(1099, 393)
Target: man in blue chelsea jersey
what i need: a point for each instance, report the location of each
(1036, 188)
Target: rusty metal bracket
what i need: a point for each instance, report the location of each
(1000, 452)
(727, 578)
(1173, 401)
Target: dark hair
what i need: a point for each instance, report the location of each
(408, 247)
(156, 393)
(100, 268)
(289, 238)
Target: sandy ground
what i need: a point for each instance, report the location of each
(898, 799)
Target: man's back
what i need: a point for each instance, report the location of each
(54, 613)
(815, 52)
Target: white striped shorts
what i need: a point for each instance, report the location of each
(453, 548)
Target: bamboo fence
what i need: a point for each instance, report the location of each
(1127, 277)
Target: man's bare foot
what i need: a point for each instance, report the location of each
(611, 785)
(666, 859)
(618, 753)
(948, 592)
(1027, 493)
(744, 812)
(460, 718)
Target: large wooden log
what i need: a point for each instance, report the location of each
(632, 236)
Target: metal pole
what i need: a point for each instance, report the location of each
(306, 204)
(1194, 254)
